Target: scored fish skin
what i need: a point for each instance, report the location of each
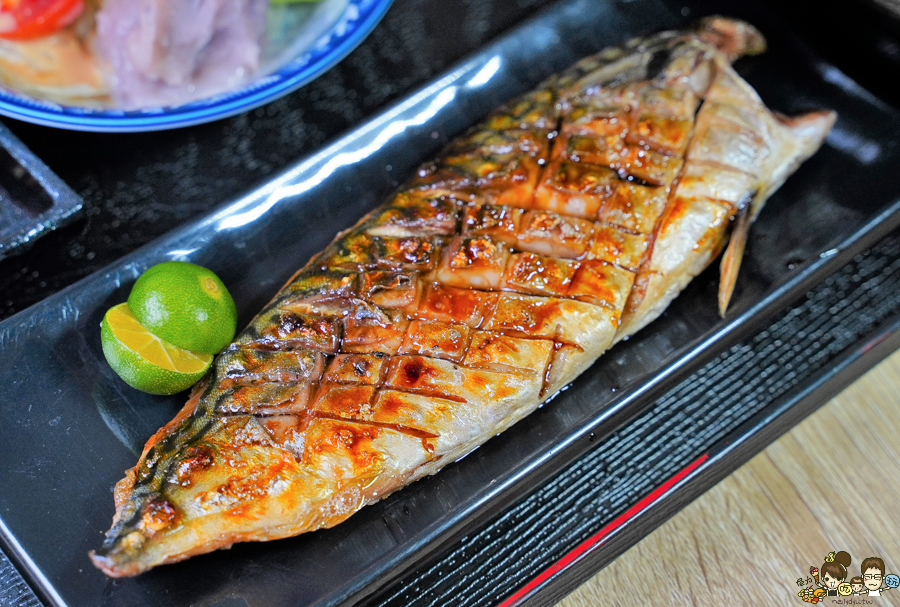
(564, 222)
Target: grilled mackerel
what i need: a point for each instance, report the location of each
(564, 222)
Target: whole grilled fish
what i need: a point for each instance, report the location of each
(564, 222)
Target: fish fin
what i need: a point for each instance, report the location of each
(734, 254)
(811, 128)
(732, 37)
(805, 135)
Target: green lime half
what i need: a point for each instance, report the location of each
(143, 360)
(186, 305)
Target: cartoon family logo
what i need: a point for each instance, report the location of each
(872, 580)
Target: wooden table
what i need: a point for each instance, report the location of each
(832, 483)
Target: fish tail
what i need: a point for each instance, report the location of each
(802, 135)
(732, 37)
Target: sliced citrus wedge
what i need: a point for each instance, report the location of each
(143, 360)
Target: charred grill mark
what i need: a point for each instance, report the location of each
(556, 365)
(497, 352)
(356, 368)
(291, 323)
(429, 393)
(625, 229)
(289, 397)
(545, 377)
(253, 367)
(503, 368)
(344, 400)
(294, 331)
(454, 305)
(413, 371)
(411, 374)
(531, 273)
(369, 335)
(621, 247)
(265, 345)
(416, 214)
(158, 514)
(389, 289)
(475, 252)
(658, 61)
(196, 459)
(436, 339)
(237, 414)
(601, 283)
(636, 180)
(358, 251)
(415, 432)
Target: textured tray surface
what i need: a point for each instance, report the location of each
(14, 592)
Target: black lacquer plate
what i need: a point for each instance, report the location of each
(71, 427)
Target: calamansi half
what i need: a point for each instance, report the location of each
(143, 360)
(186, 305)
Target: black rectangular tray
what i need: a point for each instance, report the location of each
(74, 427)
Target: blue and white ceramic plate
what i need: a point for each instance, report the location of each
(296, 64)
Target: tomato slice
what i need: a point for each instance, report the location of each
(24, 19)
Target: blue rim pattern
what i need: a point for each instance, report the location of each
(358, 20)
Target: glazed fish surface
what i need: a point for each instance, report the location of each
(564, 222)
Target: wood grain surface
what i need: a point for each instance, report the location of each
(832, 483)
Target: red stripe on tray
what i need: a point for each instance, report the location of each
(601, 535)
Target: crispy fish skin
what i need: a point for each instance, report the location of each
(564, 222)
